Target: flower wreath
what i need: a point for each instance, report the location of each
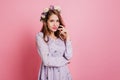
(45, 11)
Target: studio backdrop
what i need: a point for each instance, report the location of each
(94, 27)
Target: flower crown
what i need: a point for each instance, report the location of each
(46, 10)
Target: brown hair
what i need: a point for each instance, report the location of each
(45, 28)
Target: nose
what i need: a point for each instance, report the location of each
(55, 24)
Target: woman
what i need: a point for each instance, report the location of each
(54, 46)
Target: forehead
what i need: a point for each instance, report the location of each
(53, 16)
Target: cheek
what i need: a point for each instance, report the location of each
(58, 24)
(49, 25)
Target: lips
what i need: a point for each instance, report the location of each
(54, 27)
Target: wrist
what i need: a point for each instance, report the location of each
(68, 38)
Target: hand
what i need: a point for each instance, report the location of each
(63, 33)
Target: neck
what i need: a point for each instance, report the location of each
(52, 35)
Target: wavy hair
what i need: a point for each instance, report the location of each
(45, 30)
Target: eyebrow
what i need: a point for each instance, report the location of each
(54, 20)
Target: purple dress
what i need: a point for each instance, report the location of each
(55, 56)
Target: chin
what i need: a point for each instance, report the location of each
(54, 30)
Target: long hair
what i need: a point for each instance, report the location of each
(45, 28)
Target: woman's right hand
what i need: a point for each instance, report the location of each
(63, 33)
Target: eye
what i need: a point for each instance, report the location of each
(57, 20)
(51, 20)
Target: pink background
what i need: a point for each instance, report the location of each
(94, 26)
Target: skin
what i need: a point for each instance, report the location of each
(53, 24)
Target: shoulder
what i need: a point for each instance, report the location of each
(39, 38)
(39, 35)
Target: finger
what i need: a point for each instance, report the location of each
(61, 29)
(62, 32)
(61, 37)
(61, 26)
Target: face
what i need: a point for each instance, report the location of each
(53, 23)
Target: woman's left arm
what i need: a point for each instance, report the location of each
(68, 50)
(68, 44)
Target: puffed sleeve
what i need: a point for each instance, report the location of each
(68, 50)
(43, 51)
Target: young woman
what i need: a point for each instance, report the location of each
(54, 46)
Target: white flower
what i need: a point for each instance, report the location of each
(46, 10)
(43, 16)
(57, 8)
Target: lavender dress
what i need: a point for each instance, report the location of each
(55, 56)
